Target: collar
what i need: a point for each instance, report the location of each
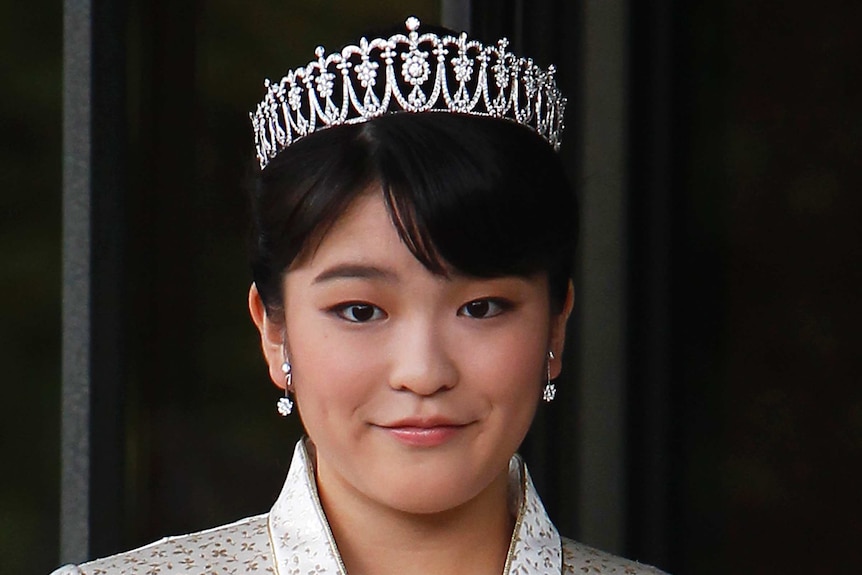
(302, 541)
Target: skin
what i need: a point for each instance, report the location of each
(415, 389)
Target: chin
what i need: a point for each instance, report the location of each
(430, 500)
(426, 492)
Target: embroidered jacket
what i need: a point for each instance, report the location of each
(294, 538)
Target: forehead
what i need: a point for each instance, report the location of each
(363, 231)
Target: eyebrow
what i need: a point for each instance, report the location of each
(355, 271)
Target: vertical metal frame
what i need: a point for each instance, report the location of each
(603, 298)
(75, 479)
(92, 356)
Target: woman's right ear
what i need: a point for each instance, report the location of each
(271, 336)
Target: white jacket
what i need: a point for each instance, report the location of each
(294, 538)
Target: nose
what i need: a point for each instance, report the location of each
(422, 362)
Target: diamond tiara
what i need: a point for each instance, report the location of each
(487, 80)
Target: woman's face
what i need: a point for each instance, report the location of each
(416, 389)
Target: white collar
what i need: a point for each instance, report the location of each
(302, 541)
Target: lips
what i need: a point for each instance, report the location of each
(424, 432)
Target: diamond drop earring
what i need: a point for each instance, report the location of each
(285, 405)
(550, 389)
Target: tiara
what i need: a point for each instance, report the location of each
(398, 74)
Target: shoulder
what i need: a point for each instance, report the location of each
(579, 558)
(241, 547)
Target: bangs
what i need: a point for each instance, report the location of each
(476, 201)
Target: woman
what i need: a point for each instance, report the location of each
(413, 244)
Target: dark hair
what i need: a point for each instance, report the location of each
(481, 196)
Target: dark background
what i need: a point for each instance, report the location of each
(760, 177)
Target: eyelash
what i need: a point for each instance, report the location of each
(342, 309)
(497, 307)
(501, 305)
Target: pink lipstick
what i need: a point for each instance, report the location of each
(423, 432)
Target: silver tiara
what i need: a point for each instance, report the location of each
(487, 81)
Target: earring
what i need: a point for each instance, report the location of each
(550, 389)
(285, 405)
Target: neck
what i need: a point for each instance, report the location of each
(472, 538)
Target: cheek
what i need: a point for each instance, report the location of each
(329, 370)
(510, 368)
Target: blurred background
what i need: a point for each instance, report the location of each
(709, 418)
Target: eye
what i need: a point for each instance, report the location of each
(358, 312)
(484, 308)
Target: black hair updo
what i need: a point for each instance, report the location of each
(481, 196)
